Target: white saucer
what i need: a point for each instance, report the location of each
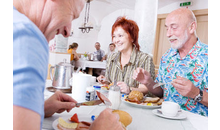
(179, 116)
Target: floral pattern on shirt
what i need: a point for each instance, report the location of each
(193, 67)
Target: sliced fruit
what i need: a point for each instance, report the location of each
(74, 118)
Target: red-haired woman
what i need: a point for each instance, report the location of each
(120, 66)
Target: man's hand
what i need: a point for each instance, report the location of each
(185, 87)
(142, 76)
(58, 103)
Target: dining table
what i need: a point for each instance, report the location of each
(143, 118)
(84, 63)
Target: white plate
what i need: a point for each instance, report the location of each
(62, 87)
(180, 115)
(81, 118)
(139, 105)
(86, 118)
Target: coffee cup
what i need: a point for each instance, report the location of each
(79, 84)
(169, 108)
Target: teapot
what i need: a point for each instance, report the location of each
(62, 74)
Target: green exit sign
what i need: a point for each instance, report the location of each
(185, 4)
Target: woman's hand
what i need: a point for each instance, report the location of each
(123, 87)
(101, 79)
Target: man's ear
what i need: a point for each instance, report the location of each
(193, 27)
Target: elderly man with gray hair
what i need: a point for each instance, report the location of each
(184, 66)
(35, 23)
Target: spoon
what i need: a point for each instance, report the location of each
(160, 84)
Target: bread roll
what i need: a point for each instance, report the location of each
(135, 96)
(124, 117)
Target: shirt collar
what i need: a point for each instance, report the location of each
(132, 57)
(193, 51)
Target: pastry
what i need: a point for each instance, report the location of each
(124, 117)
(135, 96)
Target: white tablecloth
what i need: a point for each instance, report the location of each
(90, 64)
(143, 119)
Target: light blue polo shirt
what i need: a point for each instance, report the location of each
(30, 63)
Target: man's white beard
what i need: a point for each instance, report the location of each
(181, 42)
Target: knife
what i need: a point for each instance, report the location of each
(89, 103)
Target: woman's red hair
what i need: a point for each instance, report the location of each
(130, 27)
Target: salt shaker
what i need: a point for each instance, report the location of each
(114, 96)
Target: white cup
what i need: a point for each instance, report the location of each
(169, 108)
(79, 84)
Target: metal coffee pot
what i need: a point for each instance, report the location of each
(62, 74)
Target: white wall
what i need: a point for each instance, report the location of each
(86, 41)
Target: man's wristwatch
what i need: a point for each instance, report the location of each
(199, 97)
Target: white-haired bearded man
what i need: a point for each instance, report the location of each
(185, 65)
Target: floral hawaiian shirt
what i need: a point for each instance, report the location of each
(193, 67)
